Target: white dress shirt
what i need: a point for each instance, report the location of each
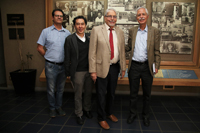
(116, 52)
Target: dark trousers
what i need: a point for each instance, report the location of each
(103, 85)
(82, 82)
(140, 71)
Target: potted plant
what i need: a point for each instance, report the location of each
(23, 79)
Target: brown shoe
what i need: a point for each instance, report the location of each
(104, 125)
(113, 118)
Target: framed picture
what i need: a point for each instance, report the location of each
(125, 28)
(178, 23)
(92, 10)
(126, 10)
(184, 51)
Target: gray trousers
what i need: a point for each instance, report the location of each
(82, 81)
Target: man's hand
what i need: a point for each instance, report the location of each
(94, 76)
(122, 74)
(156, 71)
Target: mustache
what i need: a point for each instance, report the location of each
(141, 18)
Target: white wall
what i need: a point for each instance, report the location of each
(34, 17)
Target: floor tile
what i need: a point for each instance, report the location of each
(174, 110)
(163, 117)
(180, 117)
(169, 126)
(114, 125)
(152, 132)
(9, 116)
(66, 129)
(111, 131)
(31, 128)
(159, 109)
(20, 108)
(92, 123)
(72, 122)
(59, 120)
(7, 107)
(190, 110)
(34, 110)
(40, 119)
(169, 114)
(188, 126)
(50, 129)
(183, 104)
(90, 130)
(24, 117)
(12, 127)
(153, 126)
(135, 125)
(3, 123)
(131, 131)
(194, 117)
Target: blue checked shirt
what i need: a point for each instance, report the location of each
(53, 40)
(140, 50)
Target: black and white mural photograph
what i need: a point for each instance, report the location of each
(126, 10)
(125, 29)
(175, 21)
(93, 11)
(175, 47)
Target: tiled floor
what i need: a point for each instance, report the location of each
(29, 114)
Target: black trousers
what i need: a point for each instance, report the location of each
(103, 85)
(140, 71)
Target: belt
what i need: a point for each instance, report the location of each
(114, 63)
(140, 63)
(61, 63)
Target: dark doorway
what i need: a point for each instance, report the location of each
(2, 59)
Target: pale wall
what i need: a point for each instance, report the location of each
(34, 17)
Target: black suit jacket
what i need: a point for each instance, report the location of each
(71, 54)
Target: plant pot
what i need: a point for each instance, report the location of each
(24, 82)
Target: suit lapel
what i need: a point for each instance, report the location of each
(118, 37)
(134, 37)
(74, 41)
(105, 34)
(149, 37)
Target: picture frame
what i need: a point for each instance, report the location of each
(166, 59)
(177, 60)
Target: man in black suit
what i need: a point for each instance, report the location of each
(76, 66)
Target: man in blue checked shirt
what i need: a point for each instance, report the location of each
(53, 39)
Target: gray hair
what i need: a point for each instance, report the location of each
(109, 9)
(143, 8)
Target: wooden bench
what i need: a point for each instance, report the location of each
(167, 83)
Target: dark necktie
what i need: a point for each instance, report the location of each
(111, 44)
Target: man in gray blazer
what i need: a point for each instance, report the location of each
(76, 66)
(144, 44)
(106, 59)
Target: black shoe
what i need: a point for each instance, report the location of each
(52, 113)
(60, 112)
(146, 121)
(131, 118)
(88, 114)
(79, 120)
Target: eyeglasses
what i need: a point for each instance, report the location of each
(109, 16)
(58, 16)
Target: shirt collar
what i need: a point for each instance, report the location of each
(79, 36)
(53, 27)
(146, 28)
(107, 27)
